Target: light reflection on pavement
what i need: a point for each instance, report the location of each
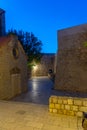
(39, 91)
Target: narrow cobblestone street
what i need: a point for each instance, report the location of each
(39, 91)
(30, 111)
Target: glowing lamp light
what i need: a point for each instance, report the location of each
(35, 67)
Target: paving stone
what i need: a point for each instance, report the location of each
(34, 117)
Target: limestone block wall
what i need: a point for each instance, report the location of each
(71, 72)
(71, 106)
(8, 87)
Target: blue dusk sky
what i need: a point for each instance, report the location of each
(44, 17)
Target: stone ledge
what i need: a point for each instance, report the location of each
(72, 106)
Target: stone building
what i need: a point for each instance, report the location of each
(2, 22)
(13, 67)
(71, 73)
(47, 62)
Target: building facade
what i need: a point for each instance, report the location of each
(71, 73)
(47, 62)
(2, 22)
(13, 68)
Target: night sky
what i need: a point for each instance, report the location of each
(44, 17)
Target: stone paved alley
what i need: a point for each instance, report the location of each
(28, 116)
(30, 111)
(39, 91)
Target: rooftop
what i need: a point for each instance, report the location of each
(73, 30)
(4, 40)
(2, 11)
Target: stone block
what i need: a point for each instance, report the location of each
(79, 114)
(54, 110)
(53, 96)
(67, 107)
(64, 112)
(65, 101)
(60, 111)
(51, 105)
(75, 108)
(83, 109)
(62, 106)
(78, 102)
(72, 113)
(75, 113)
(70, 101)
(50, 110)
(85, 103)
(57, 106)
(50, 100)
(55, 100)
(68, 113)
(60, 101)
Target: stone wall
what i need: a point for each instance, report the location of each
(11, 67)
(47, 62)
(71, 106)
(71, 72)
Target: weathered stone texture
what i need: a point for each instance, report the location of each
(72, 107)
(71, 73)
(13, 72)
(47, 62)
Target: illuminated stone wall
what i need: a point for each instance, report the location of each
(71, 72)
(13, 68)
(47, 62)
(71, 106)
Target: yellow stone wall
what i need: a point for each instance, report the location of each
(71, 106)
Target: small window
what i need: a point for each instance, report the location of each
(15, 52)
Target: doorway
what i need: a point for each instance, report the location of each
(16, 84)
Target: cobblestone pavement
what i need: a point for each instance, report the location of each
(39, 91)
(28, 116)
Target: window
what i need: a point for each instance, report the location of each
(15, 52)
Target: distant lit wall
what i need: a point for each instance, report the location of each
(47, 62)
